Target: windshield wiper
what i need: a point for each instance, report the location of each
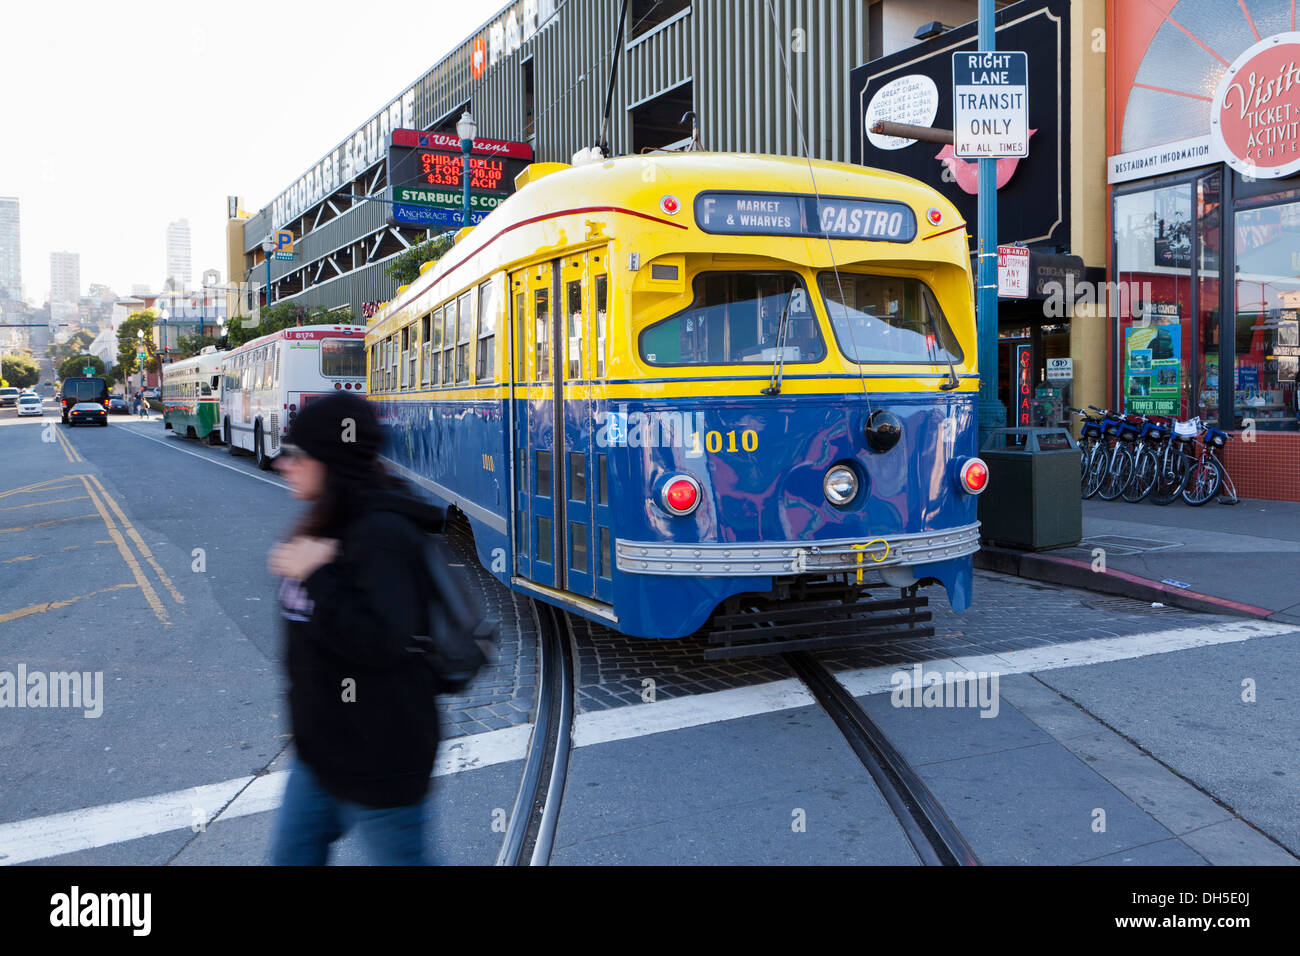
(953, 381)
(778, 364)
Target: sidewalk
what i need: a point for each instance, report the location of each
(1236, 559)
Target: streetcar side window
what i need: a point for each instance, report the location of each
(542, 311)
(435, 346)
(448, 341)
(887, 319)
(405, 355)
(573, 328)
(465, 332)
(485, 366)
(736, 318)
(520, 317)
(424, 349)
(602, 305)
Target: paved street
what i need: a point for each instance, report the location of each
(1119, 733)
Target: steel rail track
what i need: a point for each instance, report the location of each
(933, 836)
(530, 832)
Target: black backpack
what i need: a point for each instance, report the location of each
(460, 634)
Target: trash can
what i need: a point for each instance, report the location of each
(1032, 501)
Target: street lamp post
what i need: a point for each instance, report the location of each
(466, 129)
(139, 354)
(268, 247)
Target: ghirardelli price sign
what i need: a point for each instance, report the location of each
(915, 86)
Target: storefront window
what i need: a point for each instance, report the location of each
(1267, 340)
(1153, 267)
(1209, 221)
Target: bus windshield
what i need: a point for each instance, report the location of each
(735, 318)
(343, 358)
(887, 319)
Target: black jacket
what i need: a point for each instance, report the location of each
(362, 706)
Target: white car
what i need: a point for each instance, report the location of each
(30, 405)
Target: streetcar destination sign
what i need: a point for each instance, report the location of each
(786, 214)
(990, 104)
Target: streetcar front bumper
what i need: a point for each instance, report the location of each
(798, 557)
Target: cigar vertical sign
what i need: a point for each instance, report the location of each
(1255, 117)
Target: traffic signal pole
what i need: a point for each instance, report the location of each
(992, 413)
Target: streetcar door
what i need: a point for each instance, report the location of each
(583, 491)
(536, 475)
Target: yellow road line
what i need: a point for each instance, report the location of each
(63, 443)
(21, 557)
(8, 616)
(76, 455)
(49, 484)
(42, 524)
(146, 588)
(139, 541)
(37, 504)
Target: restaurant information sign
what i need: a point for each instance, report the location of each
(990, 104)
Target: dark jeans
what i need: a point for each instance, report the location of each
(311, 819)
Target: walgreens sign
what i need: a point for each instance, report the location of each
(1255, 117)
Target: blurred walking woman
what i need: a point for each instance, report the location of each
(352, 594)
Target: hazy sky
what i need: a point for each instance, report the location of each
(117, 118)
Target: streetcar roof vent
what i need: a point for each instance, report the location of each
(535, 171)
(207, 350)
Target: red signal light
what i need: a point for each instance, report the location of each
(670, 205)
(974, 476)
(934, 215)
(681, 495)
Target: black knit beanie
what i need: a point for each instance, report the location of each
(340, 430)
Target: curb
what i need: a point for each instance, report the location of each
(1079, 574)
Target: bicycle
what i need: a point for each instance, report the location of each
(1174, 462)
(1156, 430)
(1089, 436)
(1111, 465)
(1206, 472)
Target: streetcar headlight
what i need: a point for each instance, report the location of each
(840, 485)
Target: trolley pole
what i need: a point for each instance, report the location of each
(992, 413)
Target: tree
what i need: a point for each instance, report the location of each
(74, 366)
(128, 342)
(405, 268)
(190, 345)
(19, 371)
(281, 316)
(77, 343)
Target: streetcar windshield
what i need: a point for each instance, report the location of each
(343, 358)
(887, 319)
(736, 318)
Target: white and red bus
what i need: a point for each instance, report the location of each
(266, 381)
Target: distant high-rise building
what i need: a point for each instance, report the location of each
(178, 254)
(65, 277)
(11, 251)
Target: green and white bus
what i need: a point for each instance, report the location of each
(191, 396)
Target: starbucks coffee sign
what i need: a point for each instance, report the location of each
(1255, 116)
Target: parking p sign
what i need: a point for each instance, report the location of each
(990, 104)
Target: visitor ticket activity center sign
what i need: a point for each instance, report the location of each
(1254, 121)
(990, 104)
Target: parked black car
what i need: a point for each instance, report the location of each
(88, 413)
(118, 406)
